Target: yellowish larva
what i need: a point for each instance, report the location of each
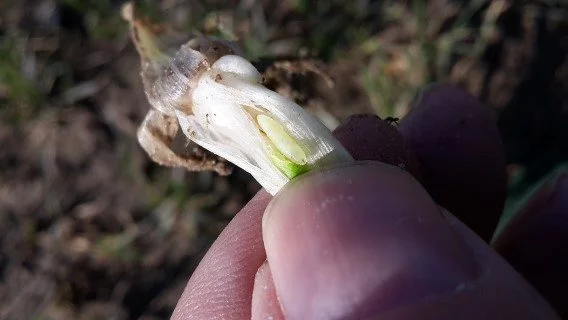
(281, 139)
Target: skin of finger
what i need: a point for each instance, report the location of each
(265, 303)
(498, 293)
(460, 153)
(214, 284)
(221, 286)
(202, 300)
(367, 137)
(535, 242)
(355, 240)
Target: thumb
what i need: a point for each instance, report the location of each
(359, 241)
(353, 241)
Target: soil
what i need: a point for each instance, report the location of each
(90, 228)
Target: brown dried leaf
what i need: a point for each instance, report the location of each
(159, 137)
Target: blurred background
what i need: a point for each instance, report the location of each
(91, 229)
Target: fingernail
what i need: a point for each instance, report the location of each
(355, 241)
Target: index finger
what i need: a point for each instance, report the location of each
(221, 286)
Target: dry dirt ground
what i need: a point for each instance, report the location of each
(91, 229)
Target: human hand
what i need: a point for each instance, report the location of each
(367, 240)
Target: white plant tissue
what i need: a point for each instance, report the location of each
(217, 101)
(224, 104)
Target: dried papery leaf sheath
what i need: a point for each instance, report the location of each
(220, 104)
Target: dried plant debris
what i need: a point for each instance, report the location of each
(158, 134)
(290, 77)
(160, 127)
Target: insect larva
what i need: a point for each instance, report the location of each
(281, 139)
